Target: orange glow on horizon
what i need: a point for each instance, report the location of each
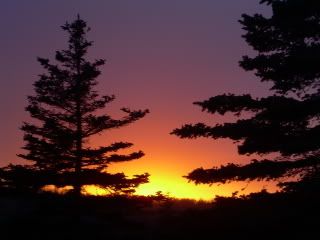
(180, 189)
(169, 158)
(163, 64)
(174, 188)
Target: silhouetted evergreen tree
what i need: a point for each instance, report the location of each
(65, 107)
(288, 56)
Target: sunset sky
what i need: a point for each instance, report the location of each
(161, 55)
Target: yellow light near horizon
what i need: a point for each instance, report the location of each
(179, 188)
(94, 190)
(176, 187)
(55, 189)
(183, 190)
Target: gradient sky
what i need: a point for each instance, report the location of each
(161, 55)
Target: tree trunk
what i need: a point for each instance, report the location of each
(77, 186)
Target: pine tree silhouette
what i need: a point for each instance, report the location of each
(287, 122)
(65, 108)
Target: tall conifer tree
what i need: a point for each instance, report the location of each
(287, 122)
(65, 108)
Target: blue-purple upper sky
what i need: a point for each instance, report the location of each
(161, 54)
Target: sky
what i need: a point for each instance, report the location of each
(161, 54)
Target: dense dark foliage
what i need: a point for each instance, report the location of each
(257, 216)
(287, 122)
(282, 123)
(68, 111)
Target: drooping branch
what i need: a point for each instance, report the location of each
(256, 170)
(279, 108)
(279, 124)
(97, 124)
(103, 150)
(124, 158)
(27, 178)
(222, 104)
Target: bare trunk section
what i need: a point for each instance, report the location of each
(78, 164)
(77, 186)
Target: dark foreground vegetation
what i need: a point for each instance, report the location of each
(257, 216)
(287, 122)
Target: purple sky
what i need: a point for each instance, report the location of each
(161, 54)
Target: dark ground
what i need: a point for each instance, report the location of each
(259, 216)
